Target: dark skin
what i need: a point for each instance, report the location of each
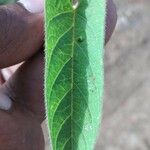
(21, 39)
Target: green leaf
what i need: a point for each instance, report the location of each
(6, 1)
(74, 72)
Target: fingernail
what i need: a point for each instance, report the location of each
(5, 102)
(33, 6)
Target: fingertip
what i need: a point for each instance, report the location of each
(24, 32)
(111, 19)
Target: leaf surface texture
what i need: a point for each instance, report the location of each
(74, 71)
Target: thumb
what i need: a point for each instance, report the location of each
(21, 31)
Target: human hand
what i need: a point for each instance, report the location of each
(21, 96)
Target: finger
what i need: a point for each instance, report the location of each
(19, 130)
(21, 33)
(111, 19)
(26, 85)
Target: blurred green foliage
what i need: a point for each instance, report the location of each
(6, 1)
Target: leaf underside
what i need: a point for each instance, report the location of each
(74, 72)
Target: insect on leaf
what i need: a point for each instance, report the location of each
(74, 71)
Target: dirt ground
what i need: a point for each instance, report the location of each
(126, 119)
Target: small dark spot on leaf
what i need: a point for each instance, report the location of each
(80, 39)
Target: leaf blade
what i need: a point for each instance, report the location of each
(74, 72)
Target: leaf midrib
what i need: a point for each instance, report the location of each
(72, 74)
